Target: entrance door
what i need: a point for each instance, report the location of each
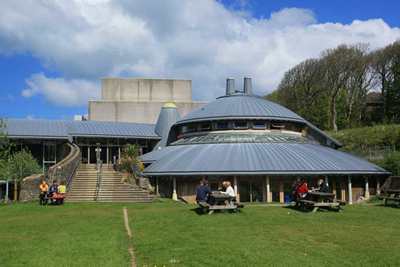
(257, 191)
(49, 155)
(244, 191)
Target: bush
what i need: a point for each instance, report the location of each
(392, 163)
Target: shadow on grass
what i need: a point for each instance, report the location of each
(199, 211)
(309, 209)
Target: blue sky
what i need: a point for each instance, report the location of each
(52, 56)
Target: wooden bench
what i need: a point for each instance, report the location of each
(319, 199)
(239, 205)
(388, 197)
(204, 205)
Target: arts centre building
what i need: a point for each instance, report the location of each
(257, 145)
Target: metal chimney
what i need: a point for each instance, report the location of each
(247, 87)
(230, 85)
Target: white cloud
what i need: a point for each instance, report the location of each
(30, 117)
(11, 97)
(59, 92)
(199, 40)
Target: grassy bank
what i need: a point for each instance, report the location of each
(173, 234)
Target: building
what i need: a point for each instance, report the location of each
(260, 147)
(140, 100)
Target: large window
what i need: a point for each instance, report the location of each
(241, 125)
(206, 126)
(277, 126)
(259, 125)
(222, 126)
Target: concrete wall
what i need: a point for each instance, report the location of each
(162, 90)
(134, 112)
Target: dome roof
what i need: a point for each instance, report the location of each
(240, 106)
(169, 105)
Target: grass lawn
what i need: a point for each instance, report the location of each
(173, 234)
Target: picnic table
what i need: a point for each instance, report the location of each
(220, 202)
(395, 193)
(319, 199)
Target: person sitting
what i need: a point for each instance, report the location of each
(203, 192)
(44, 190)
(61, 192)
(53, 191)
(322, 187)
(228, 189)
(302, 191)
(295, 185)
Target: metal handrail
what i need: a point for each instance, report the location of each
(73, 172)
(100, 175)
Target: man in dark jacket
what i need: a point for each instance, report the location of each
(203, 192)
(323, 187)
(53, 191)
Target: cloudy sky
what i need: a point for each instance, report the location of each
(54, 53)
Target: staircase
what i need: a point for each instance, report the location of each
(112, 188)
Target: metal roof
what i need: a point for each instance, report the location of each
(240, 105)
(63, 129)
(168, 116)
(255, 159)
(246, 106)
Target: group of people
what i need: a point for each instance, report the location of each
(300, 189)
(53, 192)
(204, 192)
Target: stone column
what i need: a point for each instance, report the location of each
(366, 193)
(235, 184)
(174, 194)
(268, 188)
(378, 186)
(349, 189)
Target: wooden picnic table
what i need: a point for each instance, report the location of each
(319, 199)
(220, 202)
(389, 193)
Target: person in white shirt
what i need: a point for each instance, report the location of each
(229, 190)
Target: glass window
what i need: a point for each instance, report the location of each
(257, 191)
(206, 126)
(241, 125)
(192, 128)
(259, 125)
(287, 191)
(275, 191)
(338, 190)
(277, 126)
(222, 126)
(244, 191)
(184, 129)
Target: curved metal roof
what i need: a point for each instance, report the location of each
(63, 129)
(168, 116)
(246, 106)
(240, 106)
(255, 159)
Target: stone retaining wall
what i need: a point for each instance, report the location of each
(30, 187)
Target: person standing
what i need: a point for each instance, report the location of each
(44, 190)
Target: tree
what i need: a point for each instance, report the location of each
(338, 65)
(22, 164)
(5, 149)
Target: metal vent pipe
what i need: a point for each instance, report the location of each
(230, 85)
(247, 87)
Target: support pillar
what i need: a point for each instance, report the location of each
(378, 186)
(327, 179)
(235, 185)
(268, 188)
(350, 189)
(174, 194)
(119, 154)
(366, 193)
(7, 189)
(157, 185)
(203, 178)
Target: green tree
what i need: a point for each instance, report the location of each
(129, 160)
(22, 164)
(392, 163)
(5, 148)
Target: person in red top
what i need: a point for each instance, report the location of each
(302, 191)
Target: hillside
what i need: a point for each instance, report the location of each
(379, 135)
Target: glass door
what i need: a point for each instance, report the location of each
(49, 155)
(257, 191)
(244, 191)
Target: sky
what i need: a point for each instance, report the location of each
(54, 53)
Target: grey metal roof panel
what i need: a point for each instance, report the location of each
(168, 116)
(240, 106)
(63, 129)
(255, 158)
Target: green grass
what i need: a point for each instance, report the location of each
(172, 234)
